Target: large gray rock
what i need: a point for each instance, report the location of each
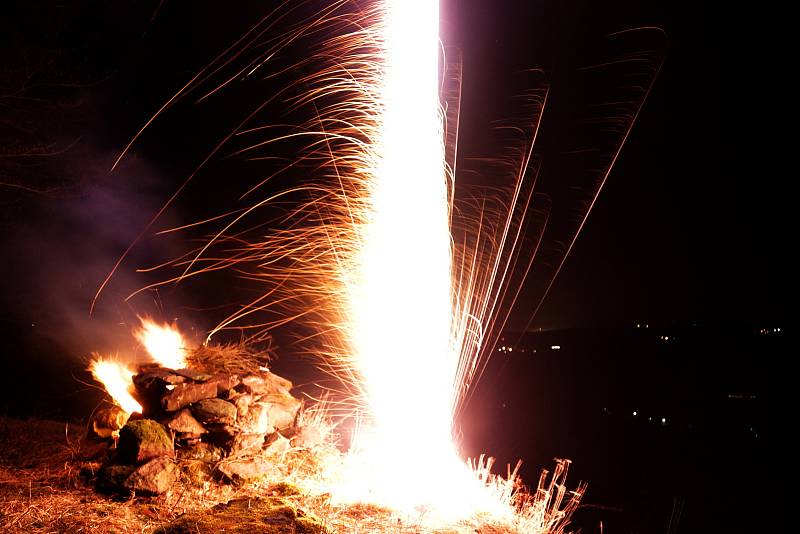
(142, 440)
(153, 478)
(214, 411)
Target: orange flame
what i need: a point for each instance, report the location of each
(117, 379)
(164, 343)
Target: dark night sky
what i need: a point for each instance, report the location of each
(692, 225)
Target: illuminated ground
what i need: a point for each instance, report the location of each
(46, 486)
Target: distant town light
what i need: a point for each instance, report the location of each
(556, 347)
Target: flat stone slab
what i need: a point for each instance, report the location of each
(183, 395)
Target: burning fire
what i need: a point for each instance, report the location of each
(118, 382)
(163, 342)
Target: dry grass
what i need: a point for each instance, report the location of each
(41, 488)
(46, 485)
(234, 358)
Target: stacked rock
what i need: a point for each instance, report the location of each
(234, 412)
(143, 462)
(218, 423)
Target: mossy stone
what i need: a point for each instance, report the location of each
(143, 440)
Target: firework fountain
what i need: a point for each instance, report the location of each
(401, 273)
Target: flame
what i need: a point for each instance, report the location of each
(117, 379)
(164, 343)
(403, 276)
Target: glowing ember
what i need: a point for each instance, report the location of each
(118, 381)
(164, 343)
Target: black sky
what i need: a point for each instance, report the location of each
(692, 225)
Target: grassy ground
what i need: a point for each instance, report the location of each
(45, 467)
(47, 472)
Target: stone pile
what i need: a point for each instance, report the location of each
(220, 425)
